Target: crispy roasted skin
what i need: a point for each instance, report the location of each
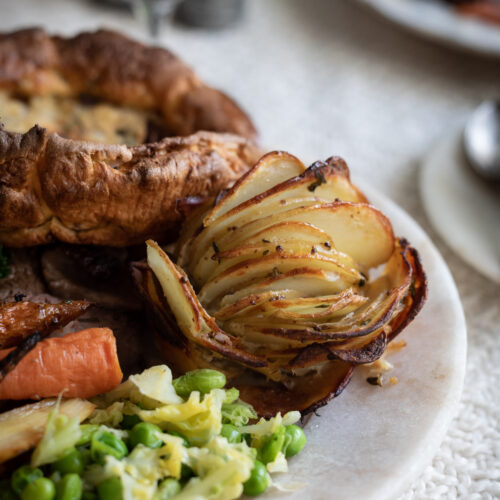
(18, 320)
(78, 192)
(109, 66)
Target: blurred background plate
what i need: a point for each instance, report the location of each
(463, 208)
(438, 21)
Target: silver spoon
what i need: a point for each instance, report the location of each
(482, 140)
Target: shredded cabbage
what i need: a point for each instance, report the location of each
(222, 469)
(267, 427)
(238, 413)
(61, 433)
(150, 389)
(198, 420)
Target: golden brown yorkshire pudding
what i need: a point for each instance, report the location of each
(105, 76)
(78, 192)
(108, 89)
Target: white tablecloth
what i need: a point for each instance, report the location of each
(327, 77)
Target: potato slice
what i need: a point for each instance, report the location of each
(307, 237)
(272, 265)
(191, 317)
(307, 281)
(228, 259)
(358, 230)
(272, 169)
(22, 428)
(315, 186)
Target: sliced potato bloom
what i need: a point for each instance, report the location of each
(292, 275)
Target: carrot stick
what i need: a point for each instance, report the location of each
(9, 362)
(82, 364)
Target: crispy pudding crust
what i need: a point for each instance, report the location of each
(53, 188)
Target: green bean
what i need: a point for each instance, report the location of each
(71, 461)
(69, 487)
(41, 488)
(258, 480)
(24, 476)
(272, 446)
(231, 433)
(87, 431)
(106, 443)
(168, 488)
(203, 380)
(295, 440)
(129, 421)
(146, 434)
(111, 489)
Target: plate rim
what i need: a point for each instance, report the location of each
(393, 14)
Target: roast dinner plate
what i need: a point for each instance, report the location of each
(463, 208)
(438, 21)
(372, 441)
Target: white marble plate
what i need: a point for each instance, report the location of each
(437, 21)
(463, 209)
(371, 442)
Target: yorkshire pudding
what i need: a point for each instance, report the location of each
(105, 88)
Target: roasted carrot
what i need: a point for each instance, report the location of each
(80, 365)
(18, 320)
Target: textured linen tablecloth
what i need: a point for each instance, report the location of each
(327, 77)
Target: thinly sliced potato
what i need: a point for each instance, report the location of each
(193, 320)
(314, 186)
(358, 230)
(230, 259)
(287, 291)
(306, 239)
(22, 428)
(251, 301)
(272, 169)
(289, 231)
(272, 265)
(307, 281)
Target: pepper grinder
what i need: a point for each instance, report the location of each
(214, 14)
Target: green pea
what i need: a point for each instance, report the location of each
(69, 487)
(85, 452)
(41, 488)
(203, 380)
(272, 446)
(71, 461)
(129, 421)
(6, 492)
(258, 480)
(168, 488)
(87, 431)
(231, 433)
(24, 476)
(146, 434)
(295, 440)
(111, 489)
(106, 443)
